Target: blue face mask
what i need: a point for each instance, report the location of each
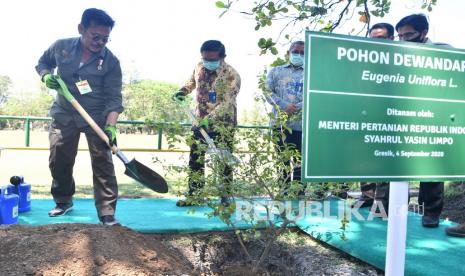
(211, 65)
(296, 59)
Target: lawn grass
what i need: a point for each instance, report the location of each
(133, 190)
(33, 165)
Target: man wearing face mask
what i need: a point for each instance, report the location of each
(414, 28)
(284, 86)
(217, 84)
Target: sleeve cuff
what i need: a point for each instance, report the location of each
(43, 73)
(119, 110)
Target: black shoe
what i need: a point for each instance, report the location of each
(456, 231)
(364, 203)
(61, 209)
(109, 220)
(430, 221)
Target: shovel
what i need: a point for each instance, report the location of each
(223, 154)
(134, 169)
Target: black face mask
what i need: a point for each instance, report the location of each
(417, 39)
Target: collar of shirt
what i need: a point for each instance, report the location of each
(289, 65)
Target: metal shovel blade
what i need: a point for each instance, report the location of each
(223, 155)
(146, 176)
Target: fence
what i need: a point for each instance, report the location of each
(159, 127)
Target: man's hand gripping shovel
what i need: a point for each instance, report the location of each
(222, 154)
(134, 169)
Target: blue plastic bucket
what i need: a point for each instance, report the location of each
(8, 207)
(23, 190)
(10, 188)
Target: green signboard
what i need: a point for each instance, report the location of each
(381, 110)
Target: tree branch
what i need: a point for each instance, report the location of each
(368, 17)
(341, 15)
(270, 242)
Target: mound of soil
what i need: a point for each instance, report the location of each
(86, 249)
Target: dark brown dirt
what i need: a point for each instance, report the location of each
(85, 249)
(454, 208)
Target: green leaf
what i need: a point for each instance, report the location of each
(269, 43)
(220, 4)
(274, 51)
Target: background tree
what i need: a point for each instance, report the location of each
(29, 104)
(148, 99)
(145, 100)
(5, 84)
(254, 116)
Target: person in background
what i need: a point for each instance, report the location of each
(217, 84)
(284, 91)
(414, 28)
(93, 76)
(372, 191)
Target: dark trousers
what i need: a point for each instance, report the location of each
(376, 191)
(64, 140)
(197, 161)
(294, 139)
(431, 196)
(372, 190)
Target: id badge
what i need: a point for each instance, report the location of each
(83, 87)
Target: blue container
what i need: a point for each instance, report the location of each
(8, 207)
(23, 190)
(10, 188)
